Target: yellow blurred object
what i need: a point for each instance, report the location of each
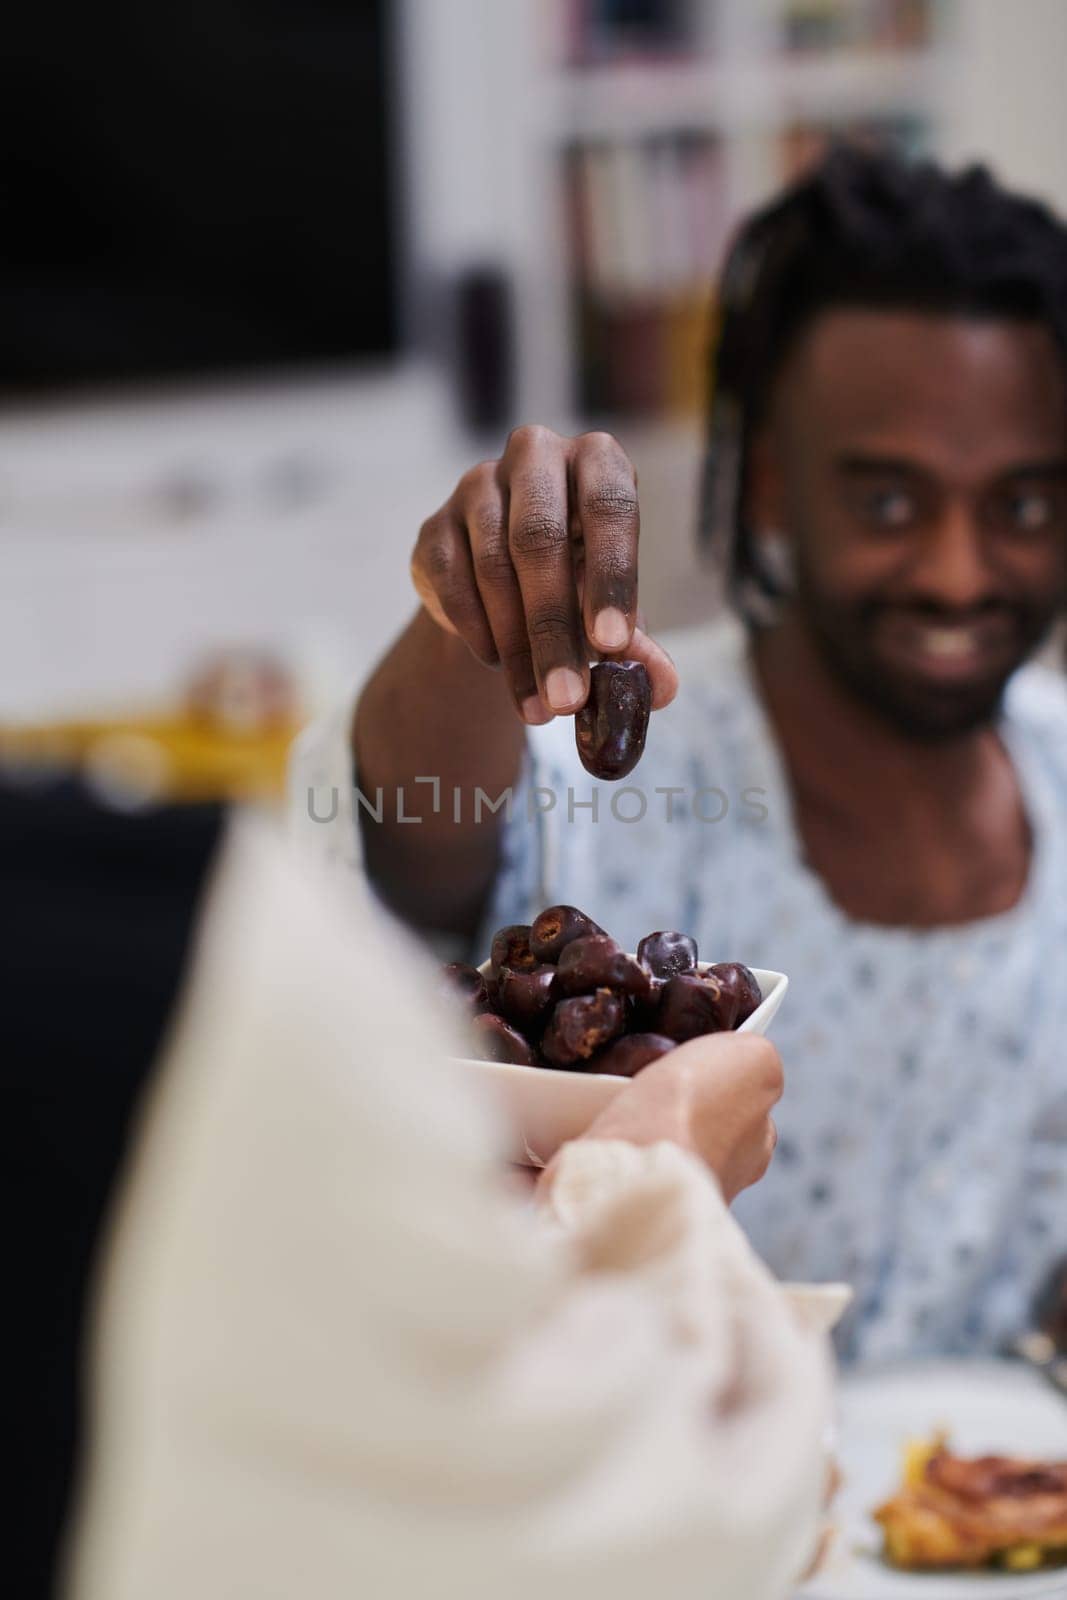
(918, 1453)
(688, 331)
(1024, 1557)
(229, 740)
(175, 758)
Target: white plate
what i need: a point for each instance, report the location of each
(550, 1107)
(985, 1407)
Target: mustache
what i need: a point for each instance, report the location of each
(936, 615)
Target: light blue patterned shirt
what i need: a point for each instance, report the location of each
(923, 1134)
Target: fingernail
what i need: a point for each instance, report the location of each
(564, 688)
(533, 711)
(611, 631)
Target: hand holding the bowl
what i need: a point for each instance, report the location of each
(713, 1096)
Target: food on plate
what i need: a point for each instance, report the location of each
(560, 992)
(954, 1511)
(611, 727)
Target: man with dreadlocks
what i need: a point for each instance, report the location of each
(862, 778)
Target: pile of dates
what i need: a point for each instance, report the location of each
(561, 993)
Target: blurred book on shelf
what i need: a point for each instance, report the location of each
(609, 32)
(648, 222)
(864, 25)
(599, 32)
(644, 131)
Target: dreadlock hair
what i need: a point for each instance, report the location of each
(866, 230)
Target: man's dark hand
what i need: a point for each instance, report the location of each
(532, 562)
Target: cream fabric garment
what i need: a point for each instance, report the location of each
(337, 1356)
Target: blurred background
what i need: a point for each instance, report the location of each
(275, 272)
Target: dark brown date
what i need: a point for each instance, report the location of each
(556, 927)
(611, 727)
(626, 1056)
(644, 1009)
(666, 954)
(739, 985)
(496, 1040)
(466, 984)
(579, 1027)
(598, 962)
(511, 948)
(692, 1004)
(524, 997)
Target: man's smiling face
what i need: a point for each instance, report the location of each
(918, 465)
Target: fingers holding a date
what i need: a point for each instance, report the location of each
(532, 562)
(604, 494)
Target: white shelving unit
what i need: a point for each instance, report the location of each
(492, 108)
(730, 96)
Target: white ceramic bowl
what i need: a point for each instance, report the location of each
(549, 1107)
(819, 1306)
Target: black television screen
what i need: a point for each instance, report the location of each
(192, 186)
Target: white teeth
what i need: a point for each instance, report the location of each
(946, 642)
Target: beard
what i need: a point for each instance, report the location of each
(919, 708)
